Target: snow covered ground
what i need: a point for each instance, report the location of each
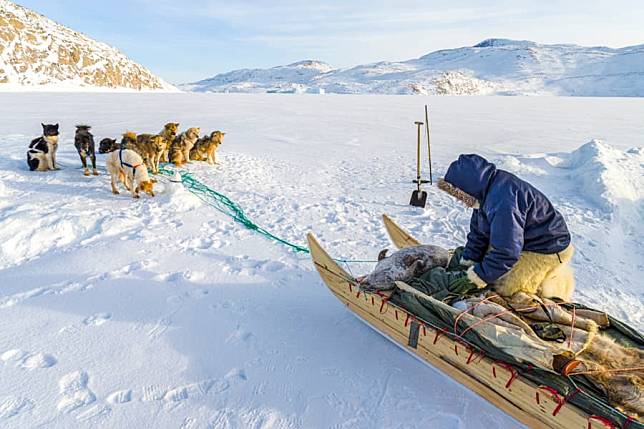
(163, 313)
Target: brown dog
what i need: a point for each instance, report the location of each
(129, 141)
(151, 148)
(183, 143)
(206, 147)
(169, 133)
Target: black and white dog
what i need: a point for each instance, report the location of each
(41, 155)
(84, 142)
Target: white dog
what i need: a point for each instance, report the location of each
(127, 166)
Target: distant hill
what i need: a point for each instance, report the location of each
(37, 53)
(492, 67)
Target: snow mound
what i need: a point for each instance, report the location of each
(32, 232)
(611, 178)
(176, 197)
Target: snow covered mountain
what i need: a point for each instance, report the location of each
(296, 77)
(492, 67)
(37, 53)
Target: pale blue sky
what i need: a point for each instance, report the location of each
(189, 40)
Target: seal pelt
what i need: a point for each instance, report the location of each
(404, 265)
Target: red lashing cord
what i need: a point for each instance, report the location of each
(510, 368)
(561, 401)
(385, 300)
(438, 334)
(603, 420)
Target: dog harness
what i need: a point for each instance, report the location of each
(123, 163)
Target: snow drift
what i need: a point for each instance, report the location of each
(611, 178)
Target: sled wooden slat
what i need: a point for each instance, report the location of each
(398, 235)
(518, 400)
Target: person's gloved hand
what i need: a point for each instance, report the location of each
(474, 278)
(466, 262)
(466, 282)
(461, 285)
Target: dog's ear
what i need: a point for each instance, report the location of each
(43, 125)
(56, 126)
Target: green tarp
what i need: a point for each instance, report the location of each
(579, 390)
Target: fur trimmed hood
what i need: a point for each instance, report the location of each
(471, 174)
(459, 194)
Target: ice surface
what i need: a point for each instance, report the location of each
(163, 313)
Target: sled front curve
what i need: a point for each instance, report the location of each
(496, 382)
(398, 235)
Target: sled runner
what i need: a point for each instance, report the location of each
(535, 397)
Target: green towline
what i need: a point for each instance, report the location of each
(230, 208)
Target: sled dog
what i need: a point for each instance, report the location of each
(130, 141)
(84, 143)
(206, 147)
(169, 133)
(107, 145)
(183, 143)
(126, 166)
(151, 148)
(41, 155)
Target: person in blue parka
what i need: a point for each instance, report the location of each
(517, 242)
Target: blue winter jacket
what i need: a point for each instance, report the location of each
(513, 216)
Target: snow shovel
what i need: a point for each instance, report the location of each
(418, 197)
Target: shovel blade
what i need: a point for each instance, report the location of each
(418, 199)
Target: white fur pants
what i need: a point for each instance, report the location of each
(544, 275)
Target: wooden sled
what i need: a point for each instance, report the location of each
(498, 383)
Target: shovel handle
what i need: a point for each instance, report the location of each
(429, 148)
(418, 125)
